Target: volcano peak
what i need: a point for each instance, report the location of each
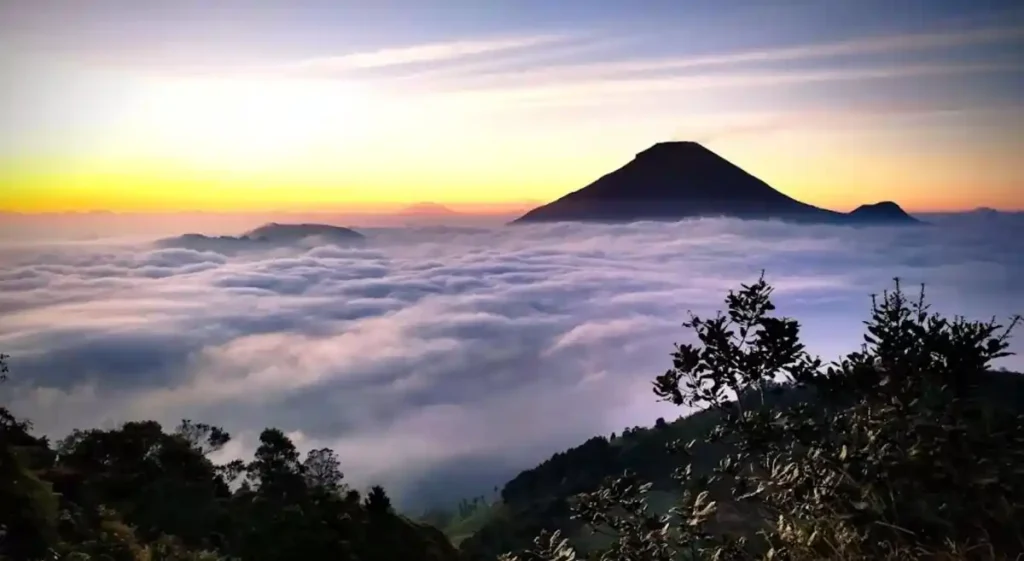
(684, 179)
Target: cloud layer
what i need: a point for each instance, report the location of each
(439, 361)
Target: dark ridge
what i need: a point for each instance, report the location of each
(886, 212)
(985, 211)
(275, 232)
(272, 234)
(677, 180)
(427, 209)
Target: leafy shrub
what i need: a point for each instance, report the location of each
(902, 450)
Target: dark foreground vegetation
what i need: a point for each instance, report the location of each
(139, 493)
(910, 449)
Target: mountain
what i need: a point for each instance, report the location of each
(676, 180)
(881, 213)
(984, 210)
(271, 234)
(427, 209)
(991, 213)
(286, 233)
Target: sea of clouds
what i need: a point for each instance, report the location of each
(441, 361)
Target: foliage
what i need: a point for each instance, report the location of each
(323, 470)
(138, 493)
(541, 497)
(377, 502)
(901, 450)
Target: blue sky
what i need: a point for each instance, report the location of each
(286, 27)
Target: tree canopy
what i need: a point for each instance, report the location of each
(140, 493)
(905, 449)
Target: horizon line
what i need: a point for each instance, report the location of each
(398, 212)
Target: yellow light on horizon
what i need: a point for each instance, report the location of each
(241, 124)
(283, 141)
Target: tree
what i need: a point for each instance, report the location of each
(205, 438)
(905, 449)
(323, 470)
(232, 471)
(28, 518)
(377, 502)
(137, 493)
(276, 468)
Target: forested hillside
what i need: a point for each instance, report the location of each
(539, 498)
(140, 493)
(909, 449)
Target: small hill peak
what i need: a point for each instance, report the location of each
(882, 212)
(427, 208)
(884, 206)
(673, 146)
(678, 151)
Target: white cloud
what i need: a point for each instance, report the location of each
(671, 68)
(520, 89)
(442, 361)
(425, 53)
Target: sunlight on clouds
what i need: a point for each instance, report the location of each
(513, 89)
(434, 52)
(503, 344)
(591, 70)
(509, 118)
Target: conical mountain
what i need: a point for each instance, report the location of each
(676, 180)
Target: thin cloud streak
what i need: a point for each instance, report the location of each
(860, 46)
(432, 52)
(863, 46)
(532, 58)
(444, 64)
(592, 91)
(718, 127)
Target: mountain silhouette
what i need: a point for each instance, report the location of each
(268, 235)
(287, 233)
(880, 213)
(430, 209)
(676, 180)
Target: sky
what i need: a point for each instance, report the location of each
(341, 105)
(441, 361)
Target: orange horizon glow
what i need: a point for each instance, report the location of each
(833, 184)
(313, 135)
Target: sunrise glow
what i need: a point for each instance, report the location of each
(515, 117)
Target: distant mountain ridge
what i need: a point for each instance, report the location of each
(430, 209)
(268, 235)
(886, 212)
(682, 179)
(275, 232)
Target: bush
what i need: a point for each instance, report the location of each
(897, 451)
